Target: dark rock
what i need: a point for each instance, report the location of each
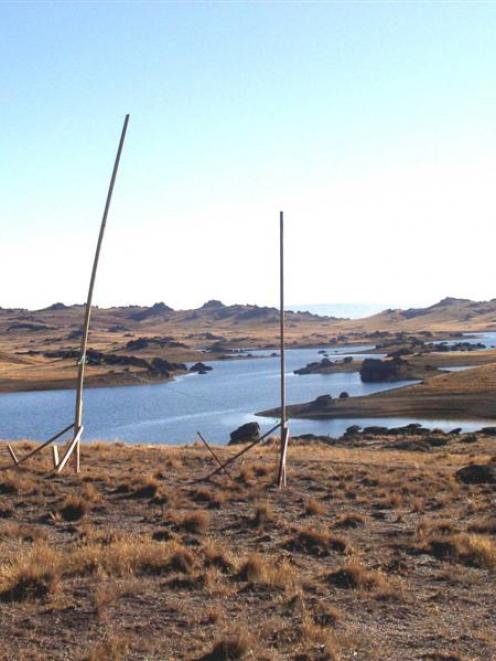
(352, 430)
(374, 370)
(488, 431)
(412, 446)
(477, 474)
(322, 401)
(376, 430)
(166, 368)
(343, 395)
(213, 304)
(155, 310)
(247, 432)
(437, 441)
(201, 368)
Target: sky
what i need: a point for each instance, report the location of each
(371, 124)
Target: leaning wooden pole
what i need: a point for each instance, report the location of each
(78, 418)
(281, 481)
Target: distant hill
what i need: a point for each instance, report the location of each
(343, 310)
(449, 314)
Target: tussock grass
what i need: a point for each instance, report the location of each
(194, 522)
(469, 549)
(216, 556)
(73, 508)
(258, 570)
(263, 515)
(314, 508)
(112, 648)
(14, 482)
(354, 575)
(33, 576)
(230, 648)
(352, 520)
(214, 499)
(317, 542)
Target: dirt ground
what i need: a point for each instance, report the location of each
(371, 552)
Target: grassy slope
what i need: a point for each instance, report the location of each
(151, 565)
(467, 394)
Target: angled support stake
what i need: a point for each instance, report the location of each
(38, 448)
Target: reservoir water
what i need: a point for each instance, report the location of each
(215, 403)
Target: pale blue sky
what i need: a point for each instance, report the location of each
(373, 125)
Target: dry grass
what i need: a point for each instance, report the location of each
(134, 579)
(33, 576)
(194, 522)
(354, 575)
(74, 508)
(469, 549)
(263, 514)
(314, 508)
(317, 542)
(230, 648)
(268, 572)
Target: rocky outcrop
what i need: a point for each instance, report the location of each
(144, 342)
(200, 368)
(157, 366)
(374, 370)
(477, 474)
(323, 401)
(25, 326)
(246, 433)
(156, 310)
(326, 366)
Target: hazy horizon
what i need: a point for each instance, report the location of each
(351, 310)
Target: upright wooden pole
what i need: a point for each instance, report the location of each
(284, 427)
(78, 419)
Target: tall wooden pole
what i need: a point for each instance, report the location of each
(284, 427)
(78, 419)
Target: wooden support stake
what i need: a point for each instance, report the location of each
(78, 417)
(282, 462)
(55, 452)
(214, 455)
(40, 447)
(281, 479)
(12, 454)
(69, 450)
(239, 454)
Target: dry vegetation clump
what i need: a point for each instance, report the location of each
(113, 648)
(74, 508)
(147, 489)
(34, 575)
(229, 648)
(484, 526)
(258, 571)
(354, 575)
(216, 556)
(352, 520)
(195, 522)
(469, 549)
(126, 556)
(314, 508)
(15, 482)
(213, 499)
(317, 542)
(23, 532)
(263, 515)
